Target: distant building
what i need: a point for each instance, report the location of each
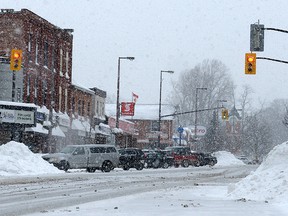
(146, 123)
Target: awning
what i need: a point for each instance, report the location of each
(57, 132)
(40, 129)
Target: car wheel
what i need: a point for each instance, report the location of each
(107, 166)
(185, 163)
(91, 169)
(126, 167)
(165, 165)
(176, 165)
(63, 165)
(139, 166)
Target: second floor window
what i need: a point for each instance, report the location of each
(46, 49)
(154, 126)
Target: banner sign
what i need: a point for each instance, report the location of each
(17, 116)
(127, 108)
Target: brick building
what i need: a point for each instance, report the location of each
(45, 78)
(47, 58)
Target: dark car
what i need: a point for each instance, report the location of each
(159, 159)
(131, 158)
(206, 159)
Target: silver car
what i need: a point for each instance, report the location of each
(89, 156)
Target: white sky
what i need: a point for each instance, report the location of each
(167, 35)
(263, 192)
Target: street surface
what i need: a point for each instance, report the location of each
(23, 195)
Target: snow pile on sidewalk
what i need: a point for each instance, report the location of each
(269, 182)
(225, 158)
(16, 158)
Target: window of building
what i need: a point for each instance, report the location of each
(60, 97)
(61, 62)
(73, 104)
(154, 125)
(36, 52)
(66, 100)
(88, 108)
(67, 64)
(45, 91)
(46, 49)
(79, 107)
(29, 46)
(83, 106)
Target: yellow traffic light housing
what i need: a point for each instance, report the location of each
(225, 114)
(15, 60)
(250, 63)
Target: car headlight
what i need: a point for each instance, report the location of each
(52, 160)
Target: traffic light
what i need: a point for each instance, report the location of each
(256, 37)
(15, 60)
(225, 114)
(250, 63)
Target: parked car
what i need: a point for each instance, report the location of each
(183, 156)
(206, 159)
(89, 156)
(131, 158)
(159, 159)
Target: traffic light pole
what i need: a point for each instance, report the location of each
(193, 111)
(271, 59)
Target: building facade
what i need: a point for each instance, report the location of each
(45, 79)
(46, 61)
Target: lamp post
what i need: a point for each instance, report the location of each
(159, 119)
(118, 89)
(196, 107)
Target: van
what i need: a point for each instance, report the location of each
(91, 157)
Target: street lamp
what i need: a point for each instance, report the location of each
(196, 112)
(118, 88)
(159, 120)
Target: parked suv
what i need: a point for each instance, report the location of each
(131, 158)
(159, 159)
(89, 156)
(207, 159)
(183, 156)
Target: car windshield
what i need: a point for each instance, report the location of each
(68, 150)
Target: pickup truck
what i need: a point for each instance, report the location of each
(91, 157)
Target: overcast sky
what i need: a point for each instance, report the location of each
(167, 35)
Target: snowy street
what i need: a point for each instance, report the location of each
(43, 193)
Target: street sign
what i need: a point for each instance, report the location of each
(180, 129)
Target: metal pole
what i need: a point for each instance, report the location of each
(159, 118)
(196, 107)
(117, 101)
(195, 127)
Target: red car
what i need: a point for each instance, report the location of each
(183, 156)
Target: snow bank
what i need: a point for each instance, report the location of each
(16, 159)
(225, 158)
(269, 181)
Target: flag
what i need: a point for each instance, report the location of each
(134, 97)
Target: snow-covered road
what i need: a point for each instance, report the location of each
(22, 195)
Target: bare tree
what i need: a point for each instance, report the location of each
(211, 74)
